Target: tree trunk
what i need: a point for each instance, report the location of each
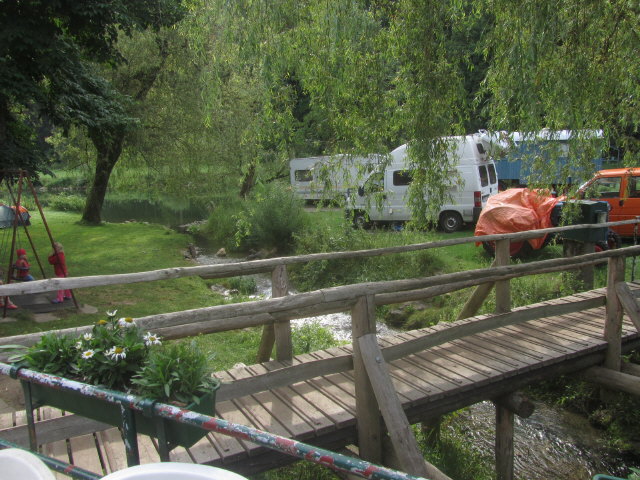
(249, 181)
(109, 150)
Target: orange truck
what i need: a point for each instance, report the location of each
(620, 188)
(521, 209)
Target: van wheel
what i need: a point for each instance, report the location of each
(360, 220)
(450, 222)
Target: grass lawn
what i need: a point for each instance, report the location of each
(108, 249)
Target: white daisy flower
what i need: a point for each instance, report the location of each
(87, 337)
(88, 354)
(126, 322)
(117, 353)
(112, 313)
(79, 345)
(151, 339)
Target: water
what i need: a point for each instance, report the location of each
(169, 212)
(338, 323)
(552, 444)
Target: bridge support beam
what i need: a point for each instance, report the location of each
(279, 334)
(363, 322)
(504, 443)
(506, 407)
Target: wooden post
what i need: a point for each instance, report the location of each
(613, 321)
(404, 443)
(587, 272)
(476, 299)
(281, 333)
(503, 289)
(280, 288)
(363, 322)
(504, 443)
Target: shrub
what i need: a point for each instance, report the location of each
(325, 273)
(178, 372)
(65, 203)
(220, 229)
(245, 285)
(270, 219)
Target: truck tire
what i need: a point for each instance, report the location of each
(450, 221)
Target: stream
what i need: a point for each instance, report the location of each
(552, 444)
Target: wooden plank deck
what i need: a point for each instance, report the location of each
(321, 411)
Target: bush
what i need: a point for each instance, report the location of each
(64, 203)
(244, 285)
(270, 219)
(220, 229)
(325, 273)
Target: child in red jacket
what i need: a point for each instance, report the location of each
(22, 266)
(59, 263)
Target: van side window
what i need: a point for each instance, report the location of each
(634, 187)
(606, 187)
(484, 178)
(493, 178)
(402, 178)
(303, 175)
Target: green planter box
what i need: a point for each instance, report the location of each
(103, 411)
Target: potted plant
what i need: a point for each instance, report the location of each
(118, 355)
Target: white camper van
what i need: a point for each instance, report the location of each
(478, 181)
(326, 177)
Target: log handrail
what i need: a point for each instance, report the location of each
(336, 299)
(268, 265)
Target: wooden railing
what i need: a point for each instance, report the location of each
(372, 382)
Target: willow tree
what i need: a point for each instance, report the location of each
(568, 65)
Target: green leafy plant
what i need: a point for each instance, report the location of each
(53, 354)
(117, 354)
(178, 372)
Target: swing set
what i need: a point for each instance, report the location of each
(14, 219)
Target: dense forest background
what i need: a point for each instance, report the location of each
(211, 97)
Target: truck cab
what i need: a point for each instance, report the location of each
(620, 188)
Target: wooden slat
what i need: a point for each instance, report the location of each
(85, 454)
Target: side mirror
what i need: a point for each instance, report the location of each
(361, 191)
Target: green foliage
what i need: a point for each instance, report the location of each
(245, 285)
(320, 237)
(220, 228)
(64, 203)
(112, 353)
(311, 337)
(453, 454)
(44, 72)
(178, 371)
(270, 219)
(55, 354)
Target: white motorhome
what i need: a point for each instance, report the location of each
(326, 177)
(474, 167)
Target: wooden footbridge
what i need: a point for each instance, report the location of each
(366, 394)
